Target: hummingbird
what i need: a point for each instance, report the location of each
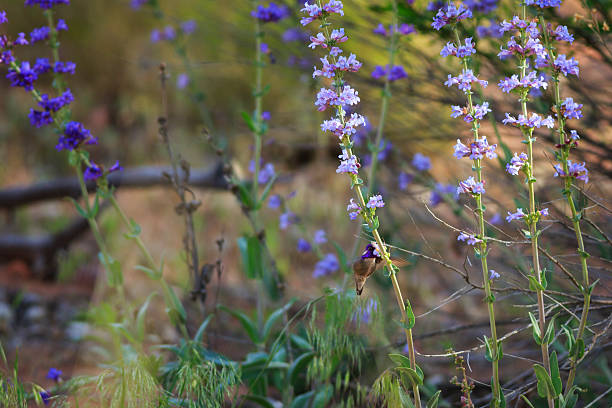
(365, 266)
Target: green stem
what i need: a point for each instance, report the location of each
(565, 151)
(533, 217)
(489, 297)
(384, 253)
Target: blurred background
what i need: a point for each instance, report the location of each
(45, 294)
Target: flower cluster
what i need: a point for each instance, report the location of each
(478, 112)
(574, 170)
(520, 215)
(46, 4)
(450, 14)
(326, 266)
(364, 313)
(25, 75)
(471, 186)
(530, 81)
(403, 29)
(169, 33)
(460, 51)
(393, 73)
(516, 164)
(316, 12)
(465, 80)
(477, 150)
(270, 14)
(342, 63)
(471, 239)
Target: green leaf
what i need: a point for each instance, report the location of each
(113, 270)
(245, 195)
(247, 324)
(273, 318)
(79, 209)
(535, 328)
(299, 366)
(300, 342)
(400, 359)
(527, 401)
(409, 314)
(248, 119)
(414, 377)
(200, 333)
(174, 307)
(141, 315)
(545, 385)
(571, 397)
(155, 275)
(433, 401)
(261, 401)
(250, 250)
(550, 331)
(488, 353)
(554, 373)
(266, 191)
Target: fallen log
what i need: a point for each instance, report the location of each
(138, 177)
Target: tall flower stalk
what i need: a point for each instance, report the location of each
(341, 125)
(525, 48)
(567, 170)
(477, 150)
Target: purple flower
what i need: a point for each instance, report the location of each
(137, 4)
(450, 14)
(274, 201)
(465, 80)
(403, 180)
(39, 34)
(470, 185)
(406, 29)
(93, 172)
(188, 27)
(363, 314)
(477, 150)
(46, 4)
(574, 169)
(319, 237)
(54, 374)
(466, 50)
(561, 34)
(518, 215)
(493, 30)
(3, 18)
(38, 118)
(348, 164)
(303, 245)
(380, 30)
(326, 266)
(531, 81)
(543, 212)
(375, 201)
(378, 72)
(516, 164)
(156, 35)
(496, 219)
(294, 34)
(270, 14)
(440, 190)
(182, 81)
(371, 251)
(74, 135)
(61, 25)
(24, 76)
(42, 66)
(286, 219)
(169, 33)
(570, 109)
(353, 209)
(397, 72)
(315, 12)
(470, 238)
(534, 121)
(46, 397)
(481, 6)
(20, 40)
(265, 48)
(421, 162)
(493, 274)
(64, 67)
(544, 3)
(566, 66)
